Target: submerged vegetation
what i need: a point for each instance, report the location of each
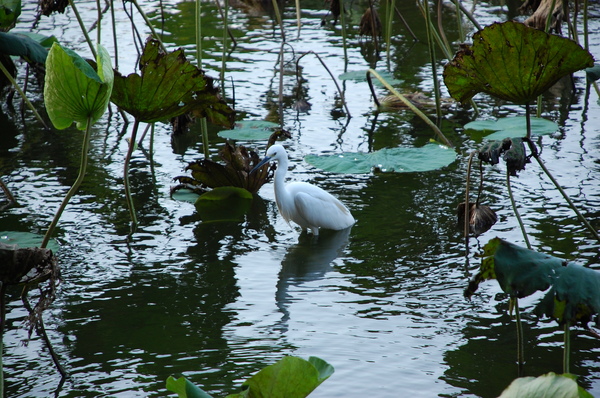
(509, 61)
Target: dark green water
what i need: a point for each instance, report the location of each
(217, 302)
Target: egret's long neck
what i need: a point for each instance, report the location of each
(280, 192)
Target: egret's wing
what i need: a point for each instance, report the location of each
(320, 209)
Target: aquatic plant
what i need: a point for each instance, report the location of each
(290, 377)
(177, 87)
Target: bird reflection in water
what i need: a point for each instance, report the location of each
(307, 261)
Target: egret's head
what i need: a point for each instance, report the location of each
(274, 153)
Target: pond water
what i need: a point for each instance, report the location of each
(382, 302)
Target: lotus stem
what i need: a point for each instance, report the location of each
(461, 33)
(204, 130)
(340, 92)
(520, 345)
(278, 17)
(22, 94)
(409, 104)
(563, 193)
(468, 14)
(128, 197)
(344, 34)
(154, 34)
(586, 40)
(224, 55)
(436, 83)
(514, 206)
(467, 215)
(388, 31)
(298, 16)
(9, 196)
(114, 32)
(83, 29)
(82, 169)
(405, 24)
(567, 348)
(198, 34)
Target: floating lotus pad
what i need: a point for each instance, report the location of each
(249, 130)
(513, 62)
(361, 76)
(400, 160)
(510, 127)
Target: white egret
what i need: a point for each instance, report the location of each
(307, 205)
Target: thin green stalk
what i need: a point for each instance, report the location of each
(278, 17)
(520, 344)
(199, 34)
(83, 29)
(436, 83)
(467, 207)
(99, 24)
(567, 348)
(224, 56)
(128, 197)
(514, 206)
(468, 14)
(586, 40)
(409, 104)
(564, 194)
(114, 31)
(344, 34)
(22, 94)
(461, 33)
(298, 16)
(154, 34)
(388, 30)
(204, 130)
(82, 169)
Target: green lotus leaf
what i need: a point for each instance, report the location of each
(22, 46)
(9, 12)
(400, 160)
(549, 385)
(513, 62)
(169, 86)
(290, 377)
(185, 388)
(74, 91)
(574, 296)
(361, 76)
(509, 127)
(25, 239)
(249, 130)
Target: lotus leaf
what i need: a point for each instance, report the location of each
(23, 46)
(236, 171)
(574, 296)
(74, 91)
(400, 160)
(519, 271)
(9, 12)
(185, 388)
(513, 62)
(250, 130)
(549, 385)
(509, 127)
(169, 86)
(291, 377)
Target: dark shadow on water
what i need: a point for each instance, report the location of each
(308, 260)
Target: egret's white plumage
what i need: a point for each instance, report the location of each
(307, 205)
